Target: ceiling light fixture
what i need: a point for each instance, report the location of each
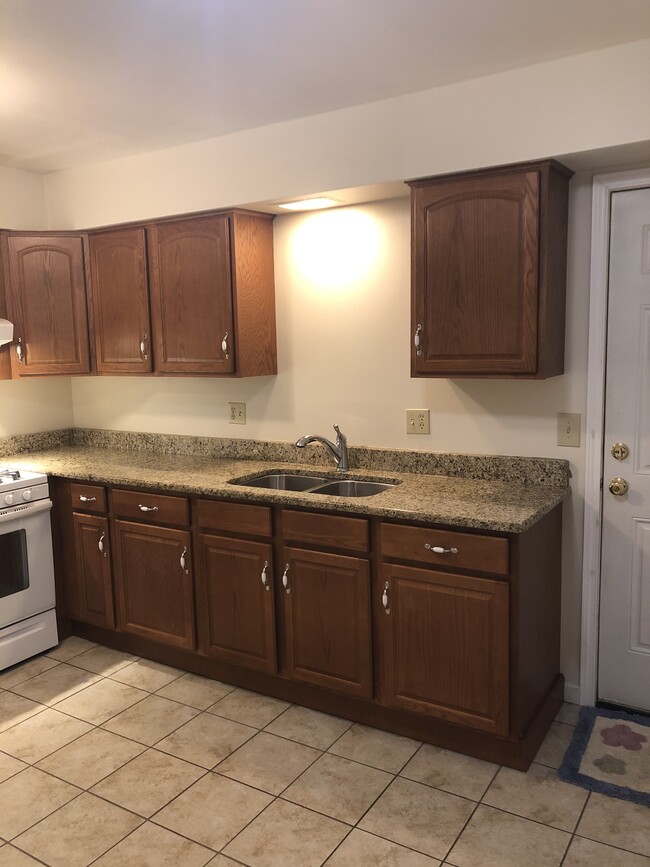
(314, 204)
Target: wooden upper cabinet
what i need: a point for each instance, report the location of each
(489, 272)
(120, 294)
(212, 295)
(46, 299)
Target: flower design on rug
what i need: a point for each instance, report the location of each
(622, 735)
(611, 765)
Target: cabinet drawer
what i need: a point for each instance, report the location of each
(480, 553)
(151, 507)
(234, 518)
(88, 498)
(331, 531)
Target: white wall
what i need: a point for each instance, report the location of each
(44, 404)
(589, 101)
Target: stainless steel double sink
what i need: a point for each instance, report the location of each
(316, 484)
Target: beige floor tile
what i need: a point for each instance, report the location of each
(554, 745)
(309, 727)
(14, 709)
(150, 720)
(568, 713)
(222, 861)
(538, 794)
(338, 788)
(145, 674)
(199, 692)
(587, 853)
(268, 762)
(148, 782)
(374, 747)
(78, 833)
(9, 767)
(249, 708)
(366, 850)
(12, 857)
(56, 684)
(153, 846)
(619, 823)
(92, 757)
(190, 816)
(41, 735)
(496, 839)
(103, 660)
(101, 701)
(21, 673)
(286, 835)
(28, 797)
(419, 817)
(456, 773)
(69, 648)
(206, 739)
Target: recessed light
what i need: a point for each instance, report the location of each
(314, 204)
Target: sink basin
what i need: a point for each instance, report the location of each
(353, 488)
(284, 482)
(316, 484)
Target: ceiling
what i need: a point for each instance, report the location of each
(83, 81)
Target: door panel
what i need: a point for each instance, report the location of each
(191, 296)
(445, 646)
(47, 304)
(154, 589)
(327, 606)
(120, 293)
(624, 650)
(236, 616)
(93, 570)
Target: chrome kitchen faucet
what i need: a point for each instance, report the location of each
(339, 451)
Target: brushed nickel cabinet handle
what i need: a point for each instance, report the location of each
(417, 339)
(143, 347)
(436, 549)
(384, 598)
(224, 345)
(182, 562)
(285, 579)
(87, 499)
(20, 352)
(100, 544)
(265, 580)
(147, 508)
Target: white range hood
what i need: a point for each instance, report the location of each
(6, 332)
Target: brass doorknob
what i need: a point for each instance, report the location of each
(618, 486)
(620, 451)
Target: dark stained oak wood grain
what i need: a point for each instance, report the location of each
(88, 498)
(147, 506)
(330, 531)
(474, 552)
(238, 518)
(94, 578)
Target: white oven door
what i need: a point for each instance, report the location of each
(26, 567)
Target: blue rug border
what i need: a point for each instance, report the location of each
(569, 769)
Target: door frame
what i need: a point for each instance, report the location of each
(602, 189)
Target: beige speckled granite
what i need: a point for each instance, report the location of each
(34, 442)
(520, 470)
(440, 499)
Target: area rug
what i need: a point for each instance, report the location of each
(610, 753)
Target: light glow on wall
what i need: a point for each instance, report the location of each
(335, 250)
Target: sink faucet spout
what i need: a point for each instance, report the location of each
(338, 450)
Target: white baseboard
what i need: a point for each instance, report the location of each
(572, 693)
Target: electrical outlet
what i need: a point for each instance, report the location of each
(417, 421)
(237, 413)
(568, 429)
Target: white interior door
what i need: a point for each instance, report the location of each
(624, 644)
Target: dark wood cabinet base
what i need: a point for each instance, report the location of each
(516, 754)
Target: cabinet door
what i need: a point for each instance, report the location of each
(327, 620)
(234, 588)
(191, 297)
(93, 570)
(154, 583)
(444, 641)
(475, 275)
(47, 304)
(118, 273)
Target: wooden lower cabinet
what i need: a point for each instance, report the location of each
(93, 570)
(445, 648)
(154, 583)
(235, 601)
(327, 620)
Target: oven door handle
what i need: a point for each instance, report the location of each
(15, 513)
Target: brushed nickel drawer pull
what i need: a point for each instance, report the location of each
(143, 347)
(265, 580)
(224, 345)
(436, 549)
(384, 598)
(417, 339)
(147, 508)
(87, 499)
(182, 561)
(100, 544)
(285, 579)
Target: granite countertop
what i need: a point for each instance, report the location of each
(487, 504)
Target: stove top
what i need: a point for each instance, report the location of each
(12, 479)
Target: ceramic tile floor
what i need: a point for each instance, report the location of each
(110, 760)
